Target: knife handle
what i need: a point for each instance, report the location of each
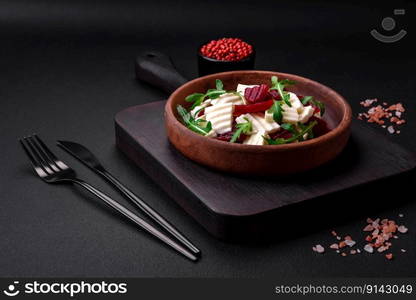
(152, 213)
(158, 70)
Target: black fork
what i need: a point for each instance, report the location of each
(52, 170)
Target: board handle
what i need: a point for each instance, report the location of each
(157, 69)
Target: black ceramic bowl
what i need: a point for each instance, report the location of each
(208, 65)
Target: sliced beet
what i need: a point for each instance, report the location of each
(274, 94)
(320, 128)
(226, 137)
(283, 133)
(257, 93)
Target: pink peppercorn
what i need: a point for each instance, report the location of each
(227, 49)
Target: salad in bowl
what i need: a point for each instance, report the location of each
(255, 114)
(257, 122)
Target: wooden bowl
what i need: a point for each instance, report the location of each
(267, 159)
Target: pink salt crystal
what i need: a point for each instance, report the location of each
(353, 251)
(334, 246)
(369, 227)
(390, 129)
(350, 243)
(402, 229)
(318, 248)
(369, 248)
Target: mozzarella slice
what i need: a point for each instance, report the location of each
(198, 108)
(296, 103)
(242, 87)
(212, 133)
(268, 116)
(220, 116)
(256, 139)
(228, 98)
(306, 114)
(290, 115)
(258, 123)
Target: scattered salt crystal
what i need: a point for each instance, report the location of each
(398, 114)
(402, 229)
(318, 248)
(338, 238)
(344, 254)
(333, 233)
(384, 126)
(337, 251)
(358, 251)
(350, 243)
(389, 256)
(403, 250)
(382, 249)
(353, 251)
(401, 215)
(334, 246)
(369, 227)
(368, 248)
(390, 129)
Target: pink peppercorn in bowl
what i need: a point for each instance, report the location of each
(226, 54)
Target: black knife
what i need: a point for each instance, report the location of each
(87, 158)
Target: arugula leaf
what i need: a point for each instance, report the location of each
(191, 123)
(300, 134)
(307, 99)
(196, 98)
(280, 86)
(219, 85)
(276, 109)
(245, 128)
(288, 127)
(213, 94)
(312, 100)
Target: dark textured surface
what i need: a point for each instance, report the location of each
(250, 198)
(68, 68)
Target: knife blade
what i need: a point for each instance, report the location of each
(91, 161)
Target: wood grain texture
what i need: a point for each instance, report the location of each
(235, 207)
(259, 160)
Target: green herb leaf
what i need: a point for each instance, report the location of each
(191, 123)
(313, 101)
(280, 86)
(245, 128)
(289, 127)
(307, 99)
(276, 109)
(294, 138)
(196, 98)
(218, 84)
(213, 94)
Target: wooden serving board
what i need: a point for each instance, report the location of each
(233, 207)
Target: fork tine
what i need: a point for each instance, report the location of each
(50, 154)
(37, 155)
(35, 164)
(40, 146)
